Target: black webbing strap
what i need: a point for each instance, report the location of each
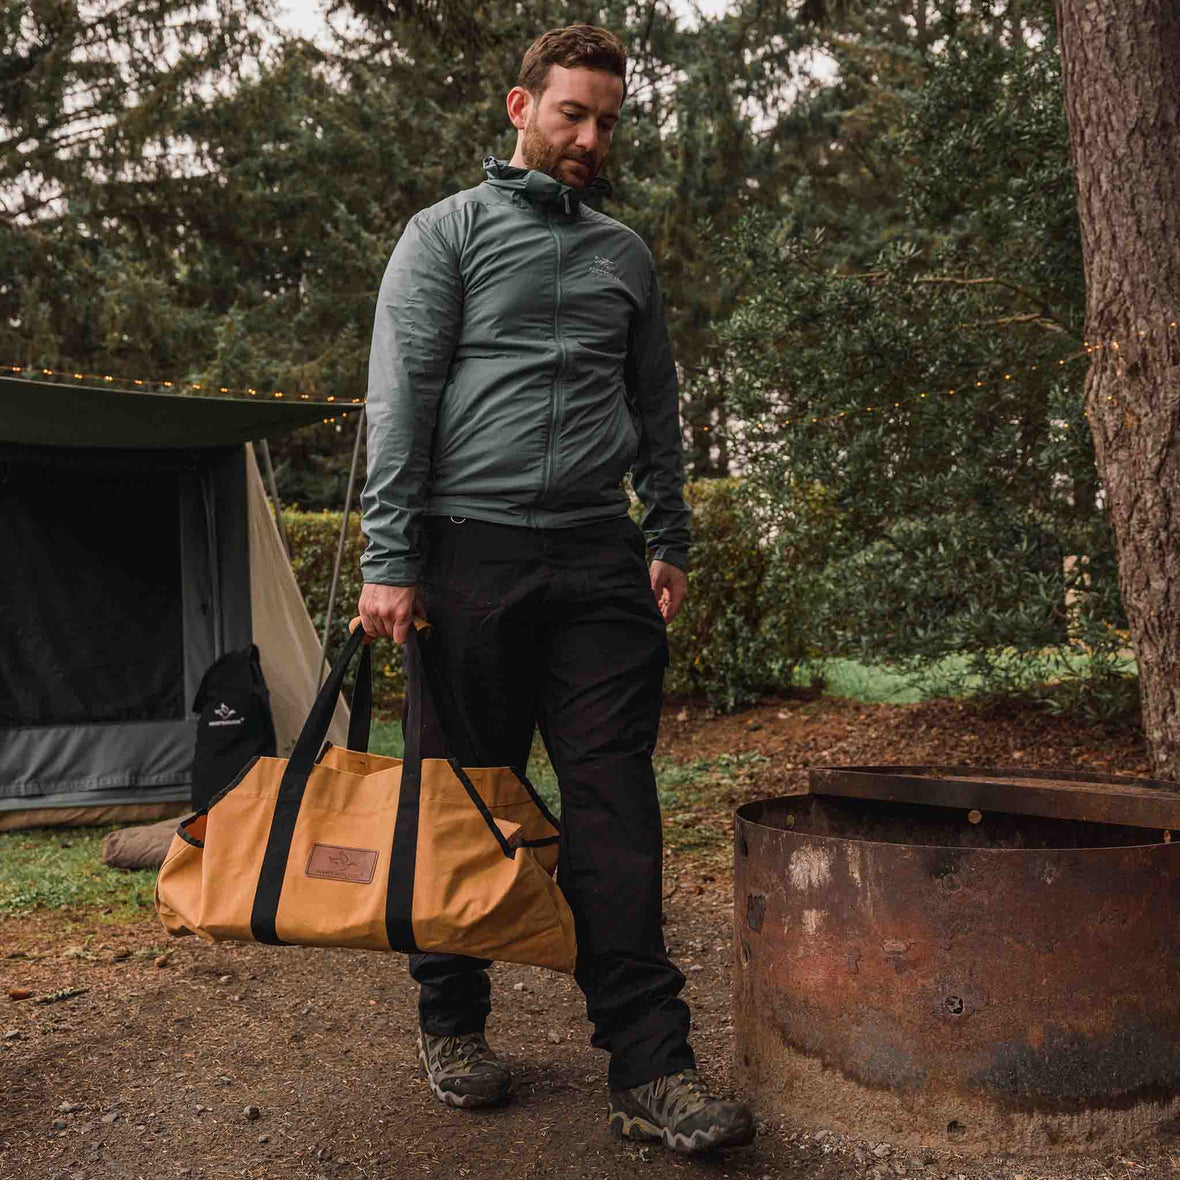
(441, 705)
(291, 789)
(361, 713)
(399, 896)
(437, 696)
(482, 808)
(399, 893)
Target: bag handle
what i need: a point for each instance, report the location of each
(436, 692)
(422, 677)
(290, 798)
(361, 708)
(319, 719)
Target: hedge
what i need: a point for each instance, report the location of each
(314, 538)
(741, 632)
(743, 628)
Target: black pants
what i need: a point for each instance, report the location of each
(558, 628)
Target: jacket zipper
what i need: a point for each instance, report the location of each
(555, 399)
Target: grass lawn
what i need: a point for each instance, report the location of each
(874, 683)
(62, 869)
(860, 682)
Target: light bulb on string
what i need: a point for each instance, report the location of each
(1089, 348)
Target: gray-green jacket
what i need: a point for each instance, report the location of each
(520, 367)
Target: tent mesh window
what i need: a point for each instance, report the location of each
(90, 594)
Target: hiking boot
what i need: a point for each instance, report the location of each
(463, 1071)
(679, 1110)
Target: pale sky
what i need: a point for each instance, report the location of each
(306, 17)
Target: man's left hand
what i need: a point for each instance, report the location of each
(669, 584)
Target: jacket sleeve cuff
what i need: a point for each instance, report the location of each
(390, 571)
(673, 555)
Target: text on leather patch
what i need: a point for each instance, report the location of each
(355, 865)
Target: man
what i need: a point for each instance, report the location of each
(520, 367)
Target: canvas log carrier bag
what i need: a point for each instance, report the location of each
(360, 850)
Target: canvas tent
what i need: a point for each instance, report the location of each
(136, 546)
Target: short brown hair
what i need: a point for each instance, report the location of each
(588, 46)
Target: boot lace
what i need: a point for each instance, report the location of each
(679, 1095)
(469, 1048)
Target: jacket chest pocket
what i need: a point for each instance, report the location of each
(596, 311)
(507, 302)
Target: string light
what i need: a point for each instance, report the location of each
(1088, 350)
(161, 383)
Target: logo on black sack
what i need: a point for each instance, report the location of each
(224, 715)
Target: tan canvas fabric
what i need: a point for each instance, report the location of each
(283, 630)
(498, 786)
(508, 800)
(80, 817)
(468, 897)
(141, 847)
(355, 762)
(352, 818)
(209, 890)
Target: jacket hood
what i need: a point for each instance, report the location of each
(541, 189)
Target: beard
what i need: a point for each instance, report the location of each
(542, 155)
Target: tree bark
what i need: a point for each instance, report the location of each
(1122, 91)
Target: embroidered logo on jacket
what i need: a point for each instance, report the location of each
(605, 268)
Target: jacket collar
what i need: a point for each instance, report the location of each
(541, 190)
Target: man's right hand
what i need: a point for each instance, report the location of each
(389, 610)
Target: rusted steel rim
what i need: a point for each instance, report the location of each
(1098, 798)
(973, 976)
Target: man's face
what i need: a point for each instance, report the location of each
(567, 131)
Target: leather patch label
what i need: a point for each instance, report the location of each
(355, 865)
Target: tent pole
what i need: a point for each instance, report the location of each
(356, 452)
(264, 447)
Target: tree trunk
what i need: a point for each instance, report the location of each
(1120, 62)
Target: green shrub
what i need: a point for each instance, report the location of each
(987, 605)
(744, 627)
(314, 538)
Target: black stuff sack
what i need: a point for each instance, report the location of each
(235, 722)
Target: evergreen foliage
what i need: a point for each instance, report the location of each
(187, 192)
(925, 392)
(217, 205)
(746, 624)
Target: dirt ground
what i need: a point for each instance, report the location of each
(176, 1058)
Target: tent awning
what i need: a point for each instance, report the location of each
(41, 413)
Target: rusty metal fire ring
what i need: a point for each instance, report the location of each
(964, 970)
